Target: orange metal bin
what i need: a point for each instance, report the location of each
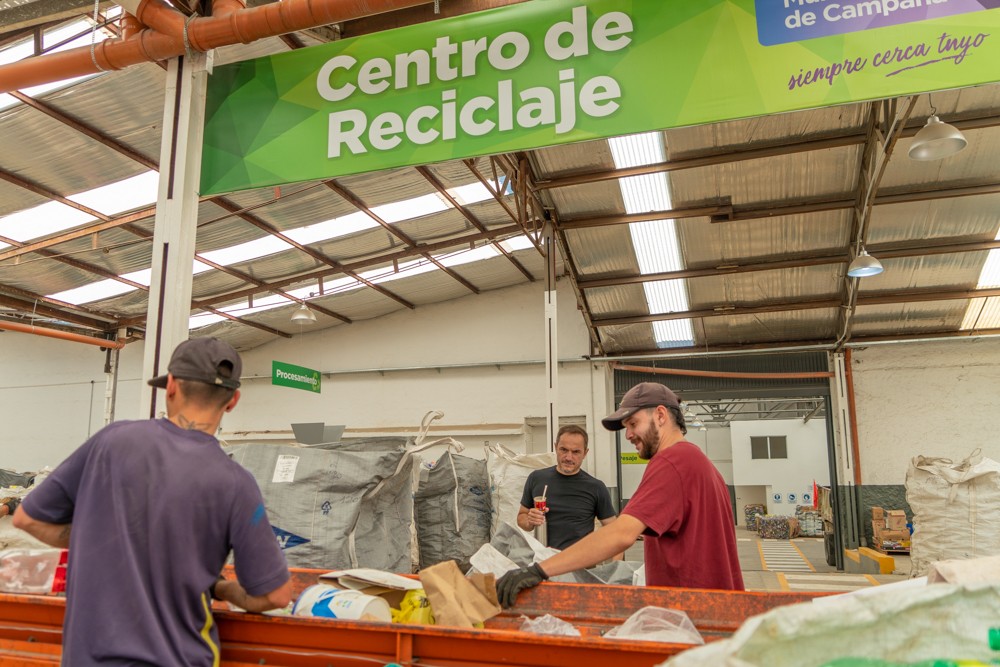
(30, 631)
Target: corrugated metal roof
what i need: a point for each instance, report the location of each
(792, 202)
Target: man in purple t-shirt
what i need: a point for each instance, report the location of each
(150, 510)
(681, 507)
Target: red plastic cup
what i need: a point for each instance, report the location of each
(540, 503)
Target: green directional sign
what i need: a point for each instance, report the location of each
(550, 72)
(296, 377)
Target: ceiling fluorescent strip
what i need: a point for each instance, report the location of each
(656, 246)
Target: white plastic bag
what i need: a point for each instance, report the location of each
(30, 571)
(548, 625)
(927, 622)
(657, 624)
(490, 561)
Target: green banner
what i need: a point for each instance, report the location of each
(631, 458)
(296, 377)
(548, 72)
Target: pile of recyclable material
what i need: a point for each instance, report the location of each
(750, 513)
(778, 527)
(810, 521)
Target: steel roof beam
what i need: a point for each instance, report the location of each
(891, 297)
(803, 345)
(32, 308)
(495, 189)
(943, 246)
(233, 208)
(432, 179)
(356, 202)
(727, 156)
(356, 266)
(720, 213)
(224, 203)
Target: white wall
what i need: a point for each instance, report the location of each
(936, 399)
(42, 378)
(807, 460)
(52, 397)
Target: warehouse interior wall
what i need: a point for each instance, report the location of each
(788, 478)
(477, 359)
(935, 399)
(52, 397)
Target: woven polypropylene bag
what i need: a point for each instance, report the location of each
(508, 472)
(954, 509)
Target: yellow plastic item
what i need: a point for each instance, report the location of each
(415, 609)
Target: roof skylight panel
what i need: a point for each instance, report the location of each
(985, 313)
(42, 220)
(329, 229)
(656, 246)
(411, 208)
(262, 247)
(124, 195)
(105, 289)
(53, 217)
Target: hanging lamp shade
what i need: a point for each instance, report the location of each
(864, 265)
(303, 315)
(936, 140)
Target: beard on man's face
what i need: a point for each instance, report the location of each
(648, 441)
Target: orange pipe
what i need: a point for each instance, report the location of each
(64, 335)
(204, 33)
(724, 374)
(130, 26)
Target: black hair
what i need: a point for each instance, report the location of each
(204, 394)
(678, 416)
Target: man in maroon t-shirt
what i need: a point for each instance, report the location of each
(682, 508)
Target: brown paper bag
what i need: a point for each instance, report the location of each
(456, 600)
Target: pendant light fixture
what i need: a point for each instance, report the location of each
(303, 315)
(936, 139)
(864, 265)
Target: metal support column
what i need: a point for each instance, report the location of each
(176, 218)
(846, 492)
(551, 337)
(111, 380)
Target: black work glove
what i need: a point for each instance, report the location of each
(516, 581)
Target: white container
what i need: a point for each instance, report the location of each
(323, 601)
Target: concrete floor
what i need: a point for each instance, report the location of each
(795, 565)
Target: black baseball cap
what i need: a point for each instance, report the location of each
(643, 395)
(207, 360)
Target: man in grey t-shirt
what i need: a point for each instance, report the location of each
(574, 498)
(150, 510)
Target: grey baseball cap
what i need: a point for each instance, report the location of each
(207, 360)
(643, 395)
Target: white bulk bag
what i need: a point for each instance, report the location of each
(508, 471)
(954, 509)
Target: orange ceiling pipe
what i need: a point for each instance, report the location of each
(165, 38)
(63, 335)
